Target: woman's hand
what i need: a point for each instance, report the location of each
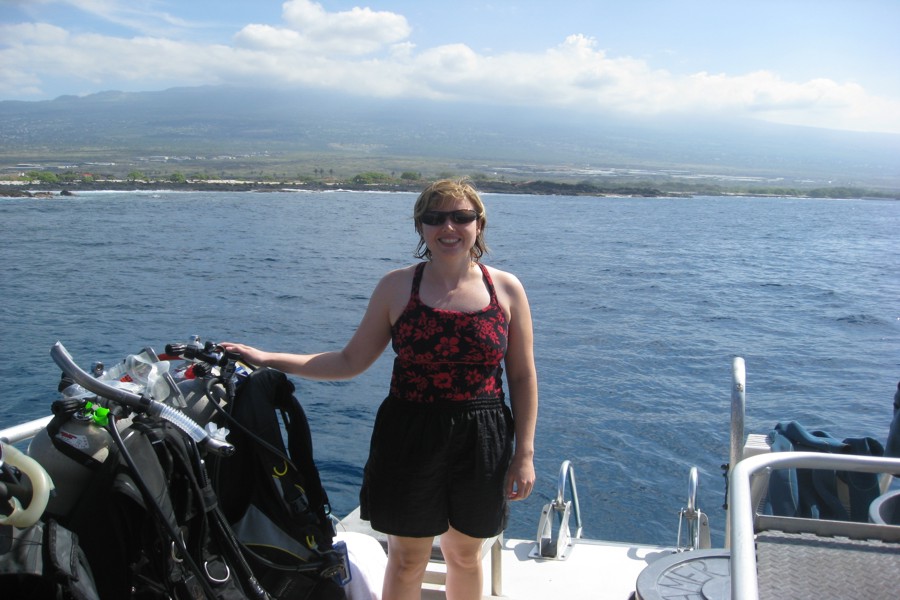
(520, 478)
(248, 354)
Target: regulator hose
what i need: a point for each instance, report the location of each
(138, 402)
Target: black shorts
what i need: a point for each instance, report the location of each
(438, 464)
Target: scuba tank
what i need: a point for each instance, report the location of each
(198, 398)
(72, 448)
(75, 445)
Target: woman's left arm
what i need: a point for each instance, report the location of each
(521, 375)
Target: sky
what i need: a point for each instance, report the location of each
(818, 63)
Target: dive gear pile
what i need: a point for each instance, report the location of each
(172, 479)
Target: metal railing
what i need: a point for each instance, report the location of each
(698, 534)
(742, 517)
(738, 410)
(555, 543)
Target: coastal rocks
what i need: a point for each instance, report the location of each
(20, 193)
(25, 194)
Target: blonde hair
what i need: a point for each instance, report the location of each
(433, 197)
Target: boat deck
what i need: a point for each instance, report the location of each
(596, 569)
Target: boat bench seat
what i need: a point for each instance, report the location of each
(436, 573)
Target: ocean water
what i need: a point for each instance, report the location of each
(639, 307)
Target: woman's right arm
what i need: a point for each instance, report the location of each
(363, 349)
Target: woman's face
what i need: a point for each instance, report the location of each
(451, 238)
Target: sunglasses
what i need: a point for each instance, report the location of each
(439, 217)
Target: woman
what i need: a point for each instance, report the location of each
(442, 459)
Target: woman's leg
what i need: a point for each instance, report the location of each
(407, 560)
(462, 554)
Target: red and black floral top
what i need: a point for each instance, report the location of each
(448, 355)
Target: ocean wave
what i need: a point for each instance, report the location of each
(862, 319)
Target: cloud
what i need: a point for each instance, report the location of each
(368, 52)
(310, 28)
(764, 95)
(39, 34)
(266, 37)
(141, 16)
(375, 26)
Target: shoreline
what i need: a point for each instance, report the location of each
(531, 187)
(547, 188)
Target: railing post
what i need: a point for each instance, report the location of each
(567, 471)
(738, 407)
(497, 566)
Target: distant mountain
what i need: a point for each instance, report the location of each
(205, 120)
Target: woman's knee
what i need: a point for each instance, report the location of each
(461, 550)
(408, 557)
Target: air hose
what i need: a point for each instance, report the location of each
(138, 402)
